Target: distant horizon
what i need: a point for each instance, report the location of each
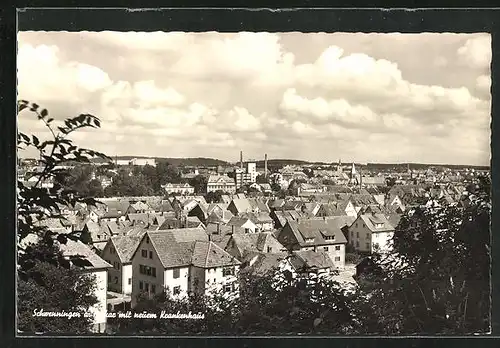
(294, 159)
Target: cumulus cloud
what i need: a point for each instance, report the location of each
(476, 51)
(211, 94)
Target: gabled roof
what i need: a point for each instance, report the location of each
(318, 229)
(264, 262)
(255, 242)
(372, 219)
(221, 180)
(125, 246)
(210, 255)
(241, 205)
(238, 221)
(308, 259)
(72, 248)
(258, 204)
(175, 247)
(258, 218)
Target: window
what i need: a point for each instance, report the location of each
(153, 288)
(337, 258)
(228, 288)
(140, 285)
(176, 273)
(153, 271)
(356, 225)
(367, 245)
(357, 234)
(144, 253)
(337, 247)
(177, 290)
(146, 286)
(150, 254)
(129, 281)
(226, 271)
(269, 249)
(325, 248)
(148, 270)
(147, 240)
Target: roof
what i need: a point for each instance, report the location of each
(311, 259)
(241, 205)
(258, 218)
(372, 219)
(238, 221)
(318, 229)
(220, 180)
(175, 247)
(264, 262)
(284, 216)
(72, 248)
(125, 246)
(254, 242)
(210, 255)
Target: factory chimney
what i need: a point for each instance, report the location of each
(241, 159)
(265, 165)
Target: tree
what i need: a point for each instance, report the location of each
(125, 184)
(262, 179)
(40, 262)
(214, 196)
(55, 289)
(390, 181)
(199, 183)
(270, 303)
(437, 276)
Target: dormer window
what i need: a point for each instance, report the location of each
(309, 240)
(379, 225)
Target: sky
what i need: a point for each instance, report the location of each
(382, 98)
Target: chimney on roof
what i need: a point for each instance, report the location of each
(265, 165)
(241, 159)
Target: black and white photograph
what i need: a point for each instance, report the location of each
(253, 183)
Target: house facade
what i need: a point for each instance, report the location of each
(221, 183)
(183, 189)
(180, 262)
(371, 233)
(316, 234)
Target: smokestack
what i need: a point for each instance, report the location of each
(265, 164)
(241, 159)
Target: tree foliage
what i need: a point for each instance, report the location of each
(55, 289)
(437, 276)
(45, 276)
(199, 183)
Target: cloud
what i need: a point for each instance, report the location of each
(476, 51)
(311, 96)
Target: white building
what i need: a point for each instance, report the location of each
(246, 176)
(221, 183)
(183, 189)
(317, 234)
(99, 269)
(371, 233)
(118, 252)
(181, 261)
(143, 162)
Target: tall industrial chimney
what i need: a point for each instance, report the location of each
(241, 159)
(265, 164)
